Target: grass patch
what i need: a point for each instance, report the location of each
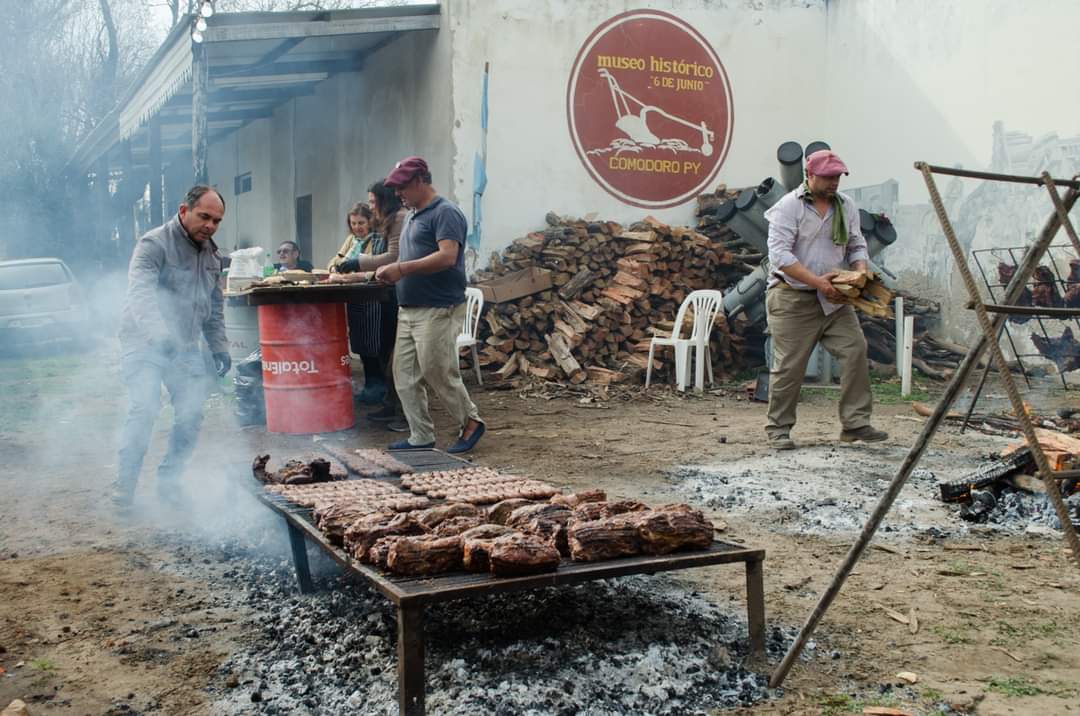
(932, 695)
(1010, 634)
(835, 703)
(952, 635)
(42, 664)
(63, 386)
(885, 393)
(1014, 686)
(888, 393)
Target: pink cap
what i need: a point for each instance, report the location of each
(404, 171)
(824, 163)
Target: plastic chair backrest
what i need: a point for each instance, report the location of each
(474, 305)
(706, 304)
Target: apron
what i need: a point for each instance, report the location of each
(366, 335)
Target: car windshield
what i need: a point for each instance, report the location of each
(22, 276)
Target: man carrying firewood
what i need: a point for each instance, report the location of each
(813, 233)
(430, 279)
(173, 297)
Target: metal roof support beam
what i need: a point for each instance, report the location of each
(228, 115)
(287, 68)
(200, 84)
(157, 202)
(302, 29)
(228, 95)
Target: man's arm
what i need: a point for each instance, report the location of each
(822, 283)
(144, 273)
(450, 231)
(214, 326)
(783, 228)
(440, 260)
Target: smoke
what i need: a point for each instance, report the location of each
(60, 424)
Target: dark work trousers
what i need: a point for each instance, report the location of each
(186, 379)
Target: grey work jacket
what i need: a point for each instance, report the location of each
(173, 292)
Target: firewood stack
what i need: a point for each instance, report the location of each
(934, 358)
(613, 288)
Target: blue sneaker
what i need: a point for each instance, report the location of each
(465, 445)
(406, 445)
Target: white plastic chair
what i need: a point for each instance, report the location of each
(706, 305)
(474, 304)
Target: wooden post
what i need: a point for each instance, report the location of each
(755, 606)
(157, 202)
(200, 79)
(410, 654)
(102, 210)
(300, 560)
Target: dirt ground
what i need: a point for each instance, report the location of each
(107, 616)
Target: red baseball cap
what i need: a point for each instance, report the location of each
(404, 171)
(824, 163)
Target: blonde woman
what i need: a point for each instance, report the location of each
(358, 224)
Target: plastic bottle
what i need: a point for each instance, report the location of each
(268, 267)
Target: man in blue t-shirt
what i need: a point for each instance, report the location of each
(430, 279)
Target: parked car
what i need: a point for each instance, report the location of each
(40, 300)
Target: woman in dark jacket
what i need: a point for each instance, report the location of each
(379, 332)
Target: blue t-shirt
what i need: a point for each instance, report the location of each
(439, 221)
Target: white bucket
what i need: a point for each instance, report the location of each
(242, 330)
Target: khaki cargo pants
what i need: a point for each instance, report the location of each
(425, 353)
(797, 322)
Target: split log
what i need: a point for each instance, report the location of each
(577, 284)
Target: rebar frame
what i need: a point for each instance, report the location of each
(988, 338)
(992, 287)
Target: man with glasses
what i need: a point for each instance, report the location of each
(288, 258)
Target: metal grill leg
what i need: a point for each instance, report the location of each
(410, 654)
(299, 556)
(755, 606)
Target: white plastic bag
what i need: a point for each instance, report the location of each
(246, 265)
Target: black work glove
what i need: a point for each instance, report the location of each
(349, 266)
(222, 362)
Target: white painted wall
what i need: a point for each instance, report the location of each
(247, 217)
(926, 80)
(886, 82)
(531, 45)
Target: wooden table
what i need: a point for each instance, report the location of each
(411, 594)
(373, 292)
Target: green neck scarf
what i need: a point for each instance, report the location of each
(839, 226)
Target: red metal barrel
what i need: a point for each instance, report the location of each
(306, 369)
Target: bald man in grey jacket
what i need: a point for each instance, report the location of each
(173, 299)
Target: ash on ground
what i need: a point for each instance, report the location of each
(823, 489)
(634, 645)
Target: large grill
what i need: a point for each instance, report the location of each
(411, 594)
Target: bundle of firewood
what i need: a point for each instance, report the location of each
(614, 288)
(933, 357)
(865, 292)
